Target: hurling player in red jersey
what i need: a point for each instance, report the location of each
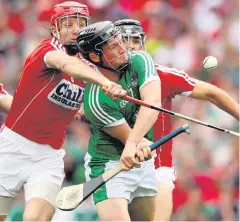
(5, 100)
(173, 82)
(47, 98)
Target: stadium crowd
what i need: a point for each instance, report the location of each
(180, 34)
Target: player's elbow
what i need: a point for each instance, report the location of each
(158, 102)
(213, 94)
(155, 100)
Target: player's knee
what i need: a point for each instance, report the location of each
(117, 217)
(37, 216)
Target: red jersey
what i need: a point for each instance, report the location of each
(173, 82)
(46, 99)
(2, 91)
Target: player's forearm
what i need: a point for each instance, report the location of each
(225, 102)
(80, 70)
(6, 102)
(145, 120)
(120, 132)
(74, 67)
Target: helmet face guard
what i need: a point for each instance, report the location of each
(117, 38)
(132, 28)
(66, 10)
(95, 37)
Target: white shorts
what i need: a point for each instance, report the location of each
(138, 182)
(26, 164)
(166, 175)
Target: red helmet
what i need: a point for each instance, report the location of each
(68, 8)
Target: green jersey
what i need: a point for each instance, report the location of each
(102, 111)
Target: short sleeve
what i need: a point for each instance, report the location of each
(99, 109)
(35, 63)
(53, 45)
(179, 82)
(144, 66)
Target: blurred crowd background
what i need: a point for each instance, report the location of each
(180, 34)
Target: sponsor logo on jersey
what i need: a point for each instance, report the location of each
(123, 103)
(134, 80)
(67, 94)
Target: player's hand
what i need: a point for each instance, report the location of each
(81, 114)
(128, 158)
(113, 90)
(143, 150)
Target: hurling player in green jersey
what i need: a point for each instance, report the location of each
(119, 127)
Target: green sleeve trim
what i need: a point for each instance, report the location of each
(95, 107)
(152, 78)
(118, 123)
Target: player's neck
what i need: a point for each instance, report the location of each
(112, 76)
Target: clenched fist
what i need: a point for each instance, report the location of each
(113, 90)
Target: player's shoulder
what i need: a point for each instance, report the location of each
(140, 55)
(141, 59)
(49, 44)
(53, 43)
